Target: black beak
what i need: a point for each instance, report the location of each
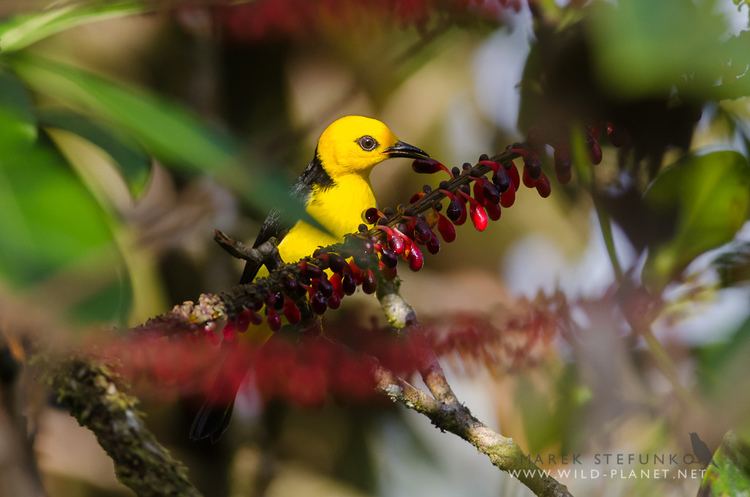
(401, 149)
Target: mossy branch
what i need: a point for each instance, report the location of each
(91, 393)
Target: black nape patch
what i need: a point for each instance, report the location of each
(313, 175)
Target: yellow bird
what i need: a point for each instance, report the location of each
(335, 187)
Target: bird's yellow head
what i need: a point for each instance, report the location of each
(354, 144)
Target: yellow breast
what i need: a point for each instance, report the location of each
(339, 208)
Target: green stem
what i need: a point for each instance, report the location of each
(609, 241)
(661, 358)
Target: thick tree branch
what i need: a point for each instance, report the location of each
(91, 393)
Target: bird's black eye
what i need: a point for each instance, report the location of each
(367, 143)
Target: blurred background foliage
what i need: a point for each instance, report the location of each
(129, 130)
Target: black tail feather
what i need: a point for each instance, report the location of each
(213, 418)
(211, 421)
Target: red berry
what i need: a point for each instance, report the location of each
(389, 257)
(528, 181)
(595, 149)
(508, 197)
(255, 318)
(433, 244)
(501, 180)
(333, 301)
(292, 287)
(415, 258)
(396, 243)
(479, 217)
(310, 270)
(493, 211)
(242, 321)
(562, 157)
(543, 186)
(456, 211)
(324, 286)
(369, 282)
(426, 166)
(490, 192)
(291, 311)
(422, 231)
(372, 215)
(348, 284)
(446, 229)
(336, 262)
(478, 192)
(356, 272)
(318, 303)
(273, 318)
(337, 285)
(513, 173)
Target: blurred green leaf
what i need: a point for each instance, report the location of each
(23, 30)
(134, 163)
(645, 46)
(553, 420)
(20, 123)
(728, 475)
(537, 413)
(710, 197)
(166, 130)
(51, 224)
(727, 359)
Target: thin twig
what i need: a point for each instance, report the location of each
(661, 357)
(447, 413)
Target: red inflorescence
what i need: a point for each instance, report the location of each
(263, 19)
(321, 281)
(311, 369)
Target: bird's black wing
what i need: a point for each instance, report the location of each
(274, 225)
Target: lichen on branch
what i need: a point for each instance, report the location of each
(91, 393)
